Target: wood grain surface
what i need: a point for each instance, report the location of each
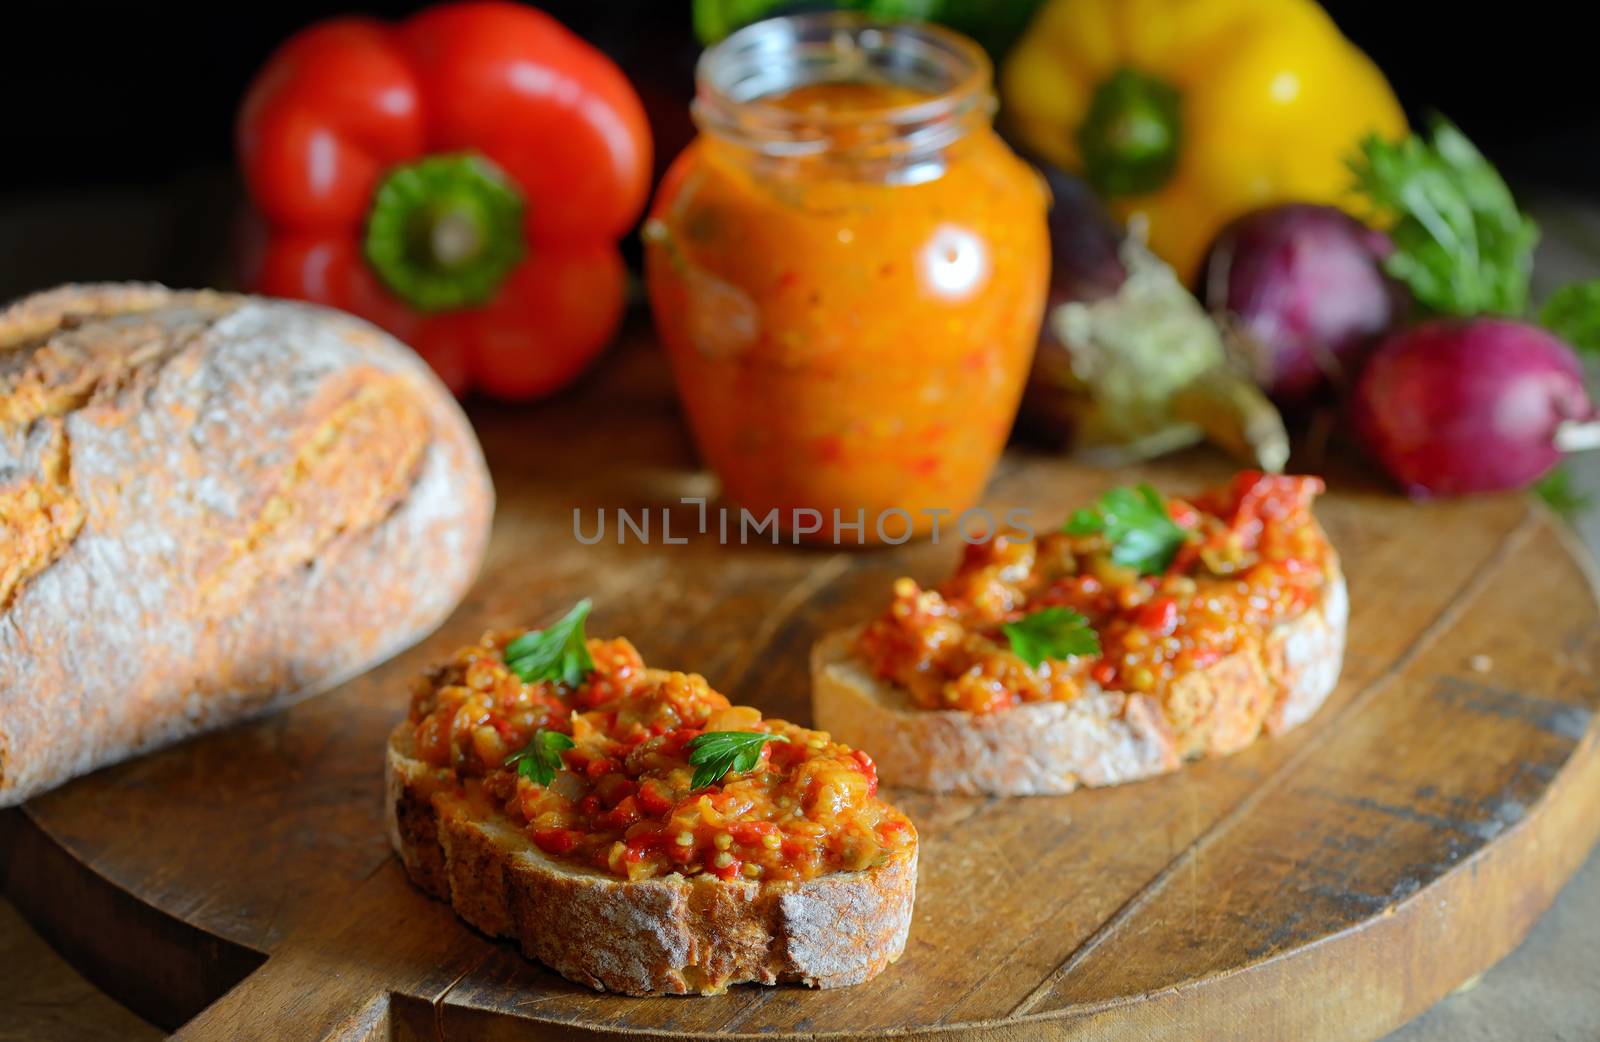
(1327, 885)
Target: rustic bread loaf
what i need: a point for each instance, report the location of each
(1099, 738)
(671, 933)
(210, 506)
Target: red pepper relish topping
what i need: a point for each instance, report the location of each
(1249, 556)
(622, 799)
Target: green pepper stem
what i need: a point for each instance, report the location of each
(456, 237)
(1131, 136)
(444, 232)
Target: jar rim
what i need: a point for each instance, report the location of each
(780, 54)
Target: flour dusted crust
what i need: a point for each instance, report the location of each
(1100, 738)
(211, 506)
(665, 934)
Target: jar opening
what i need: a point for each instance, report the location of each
(947, 76)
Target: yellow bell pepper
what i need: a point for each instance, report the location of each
(1192, 112)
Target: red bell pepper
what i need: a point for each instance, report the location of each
(460, 178)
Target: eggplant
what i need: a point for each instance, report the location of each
(1129, 365)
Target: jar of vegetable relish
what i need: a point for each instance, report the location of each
(848, 269)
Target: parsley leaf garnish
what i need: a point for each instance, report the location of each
(1460, 242)
(558, 652)
(1573, 314)
(1051, 633)
(1136, 523)
(540, 759)
(715, 753)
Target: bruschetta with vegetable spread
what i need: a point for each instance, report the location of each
(1144, 632)
(634, 831)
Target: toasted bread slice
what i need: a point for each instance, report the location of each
(663, 934)
(1099, 738)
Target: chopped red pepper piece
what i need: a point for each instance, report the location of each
(622, 815)
(555, 841)
(653, 800)
(868, 768)
(1159, 616)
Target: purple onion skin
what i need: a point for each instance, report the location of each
(1457, 406)
(1306, 283)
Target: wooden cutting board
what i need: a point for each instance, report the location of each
(1330, 884)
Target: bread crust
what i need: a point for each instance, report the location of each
(211, 506)
(669, 934)
(1101, 737)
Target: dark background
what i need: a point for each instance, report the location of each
(94, 94)
(116, 119)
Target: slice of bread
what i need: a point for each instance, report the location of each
(1099, 738)
(663, 934)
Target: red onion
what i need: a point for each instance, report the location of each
(1456, 406)
(1306, 285)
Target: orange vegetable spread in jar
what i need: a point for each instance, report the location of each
(848, 269)
(1152, 590)
(599, 773)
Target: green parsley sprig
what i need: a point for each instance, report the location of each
(1460, 243)
(1056, 633)
(1136, 523)
(558, 652)
(540, 759)
(715, 753)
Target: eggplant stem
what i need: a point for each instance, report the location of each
(1578, 435)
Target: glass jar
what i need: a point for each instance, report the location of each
(848, 269)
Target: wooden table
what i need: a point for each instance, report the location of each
(1549, 997)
